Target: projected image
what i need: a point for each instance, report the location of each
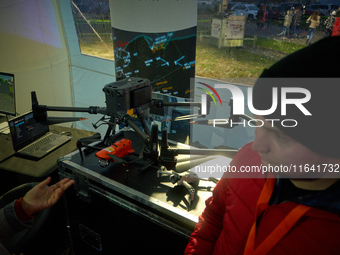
(166, 59)
(7, 97)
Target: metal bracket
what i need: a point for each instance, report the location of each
(82, 187)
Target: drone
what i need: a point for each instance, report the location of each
(121, 96)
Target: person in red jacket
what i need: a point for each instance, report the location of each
(295, 209)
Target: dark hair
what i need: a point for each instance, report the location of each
(315, 15)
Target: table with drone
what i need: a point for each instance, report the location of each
(131, 203)
(133, 187)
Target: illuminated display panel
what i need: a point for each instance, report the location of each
(7, 94)
(166, 59)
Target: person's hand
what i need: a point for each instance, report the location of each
(41, 197)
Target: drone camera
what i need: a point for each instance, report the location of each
(126, 94)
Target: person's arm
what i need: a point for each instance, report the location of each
(208, 229)
(13, 219)
(19, 214)
(42, 197)
(10, 223)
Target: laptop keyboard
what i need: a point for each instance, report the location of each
(40, 143)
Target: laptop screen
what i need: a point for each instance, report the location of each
(7, 94)
(25, 130)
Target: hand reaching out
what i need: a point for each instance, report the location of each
(41, 197)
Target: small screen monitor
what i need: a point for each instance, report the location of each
(7, 94)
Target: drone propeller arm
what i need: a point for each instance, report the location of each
(127, 119)
(141, 118)
(40, 111)
(90, 109)
(160, 103)
(57, 120)
(150, 150)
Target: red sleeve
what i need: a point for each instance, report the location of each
(208, 229)
(20, 211)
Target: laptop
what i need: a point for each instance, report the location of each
(32, 139)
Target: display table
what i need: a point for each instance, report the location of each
(128, 207)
